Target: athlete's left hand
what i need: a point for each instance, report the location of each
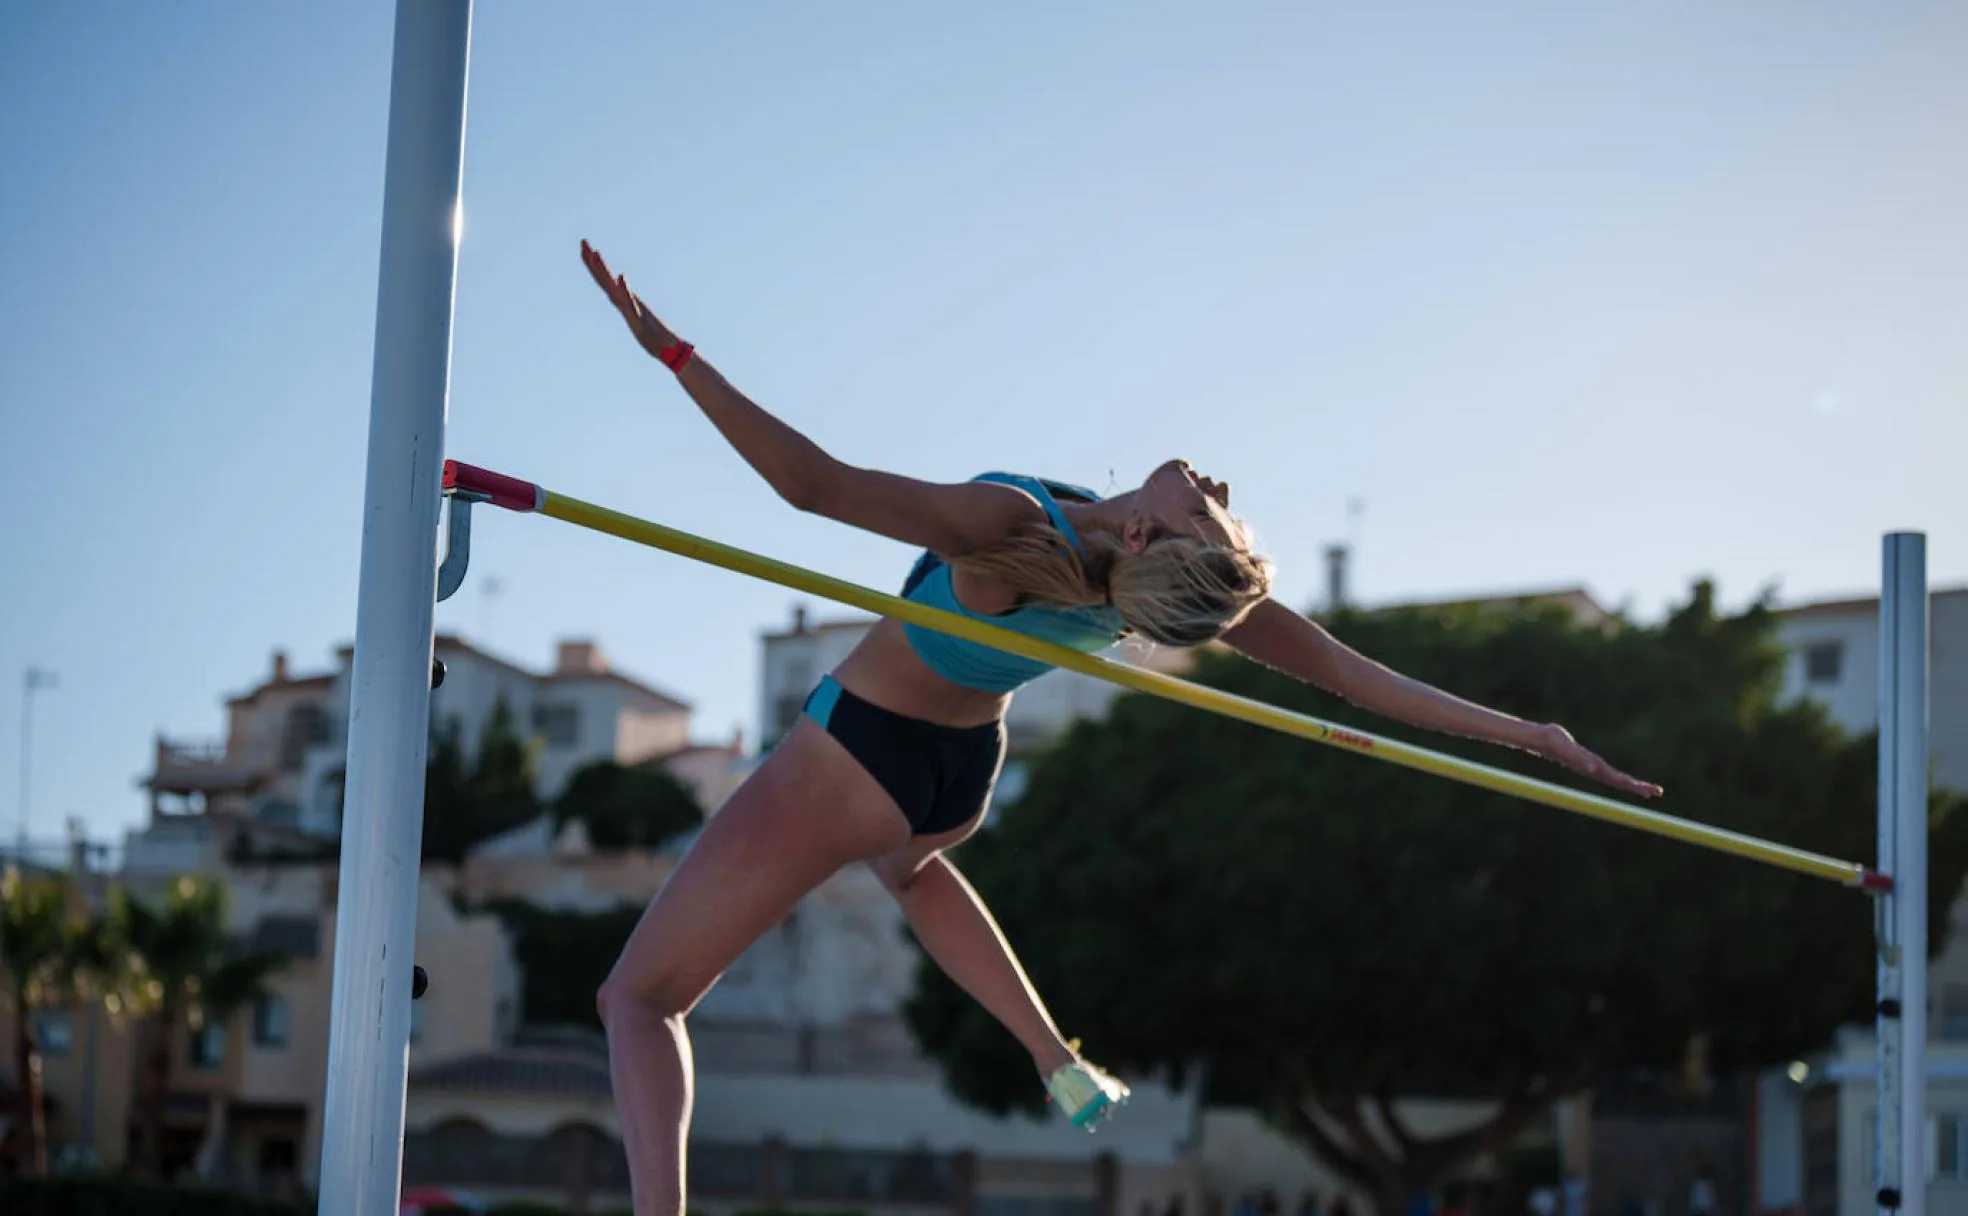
(1556, 744)
(648, 328)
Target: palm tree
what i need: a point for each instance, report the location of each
(190, 973)
(53, 955)
(33, 950)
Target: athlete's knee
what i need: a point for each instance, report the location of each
(626, 993)
(609, 999)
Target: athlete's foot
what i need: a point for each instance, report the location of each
(1084, 1093)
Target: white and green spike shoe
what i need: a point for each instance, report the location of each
(1084, 1093)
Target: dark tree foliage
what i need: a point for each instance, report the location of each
(1328, 933)
(639, 806)
(467, 801)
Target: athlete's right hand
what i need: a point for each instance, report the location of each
(648, 329)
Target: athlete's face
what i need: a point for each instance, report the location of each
(1176, 499)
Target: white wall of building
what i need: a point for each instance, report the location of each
(1833, 658)
(170, 846)
(793, 663)
(594, 709)
(473, 686)
(1779, 1133)
(610, 718)
(1851, 1070)
(644, 729)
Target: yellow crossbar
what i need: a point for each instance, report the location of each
(644, 532)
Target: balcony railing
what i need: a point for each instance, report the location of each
(179, 751)
(203, 765)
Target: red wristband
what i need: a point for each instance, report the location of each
(675, 355)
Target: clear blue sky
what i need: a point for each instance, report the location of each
(1613, 294)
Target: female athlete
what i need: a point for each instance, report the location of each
(894, 758)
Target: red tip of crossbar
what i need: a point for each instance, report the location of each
(501, 490)
(1872, 880)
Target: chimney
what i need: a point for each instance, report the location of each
(279, 667)
(799, 620)
(1336, 577)
(579, 658)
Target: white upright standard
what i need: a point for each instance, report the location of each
(389, 703)
(1902, 1024)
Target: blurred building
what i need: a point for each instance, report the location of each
(245, 1099)
(1813, 1121)
(243, 1107)
(280, 767)
(1833, 658)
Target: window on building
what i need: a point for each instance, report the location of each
(1953, 1019)
(789, 683)
(799, 678)
(559, 725)
(270, 1022)
(1824, 662)
(1948, 1154)
(208, 1046)
(785, 712)
(54, 1030)
(307, 725)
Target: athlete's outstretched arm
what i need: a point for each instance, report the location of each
(1276, 636)
(950, 519)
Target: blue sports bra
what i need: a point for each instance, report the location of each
(986, 668)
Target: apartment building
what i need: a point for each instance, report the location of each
(1833, 658)
(1814, 1118)
(245, 1103)
(280, 766)
(245, 1100)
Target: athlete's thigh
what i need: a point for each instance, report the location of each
(807, 811)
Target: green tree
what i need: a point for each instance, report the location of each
(1327, 933)
(55, 953)
(564, 956)
(465, 803)
(189, 973)
(636, 806)
(37, 935)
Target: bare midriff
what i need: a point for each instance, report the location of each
(884, 670)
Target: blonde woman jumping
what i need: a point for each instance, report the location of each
(894, 758)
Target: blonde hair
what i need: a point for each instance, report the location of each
(1179, 590)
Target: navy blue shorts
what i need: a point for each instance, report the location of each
(941, 776)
